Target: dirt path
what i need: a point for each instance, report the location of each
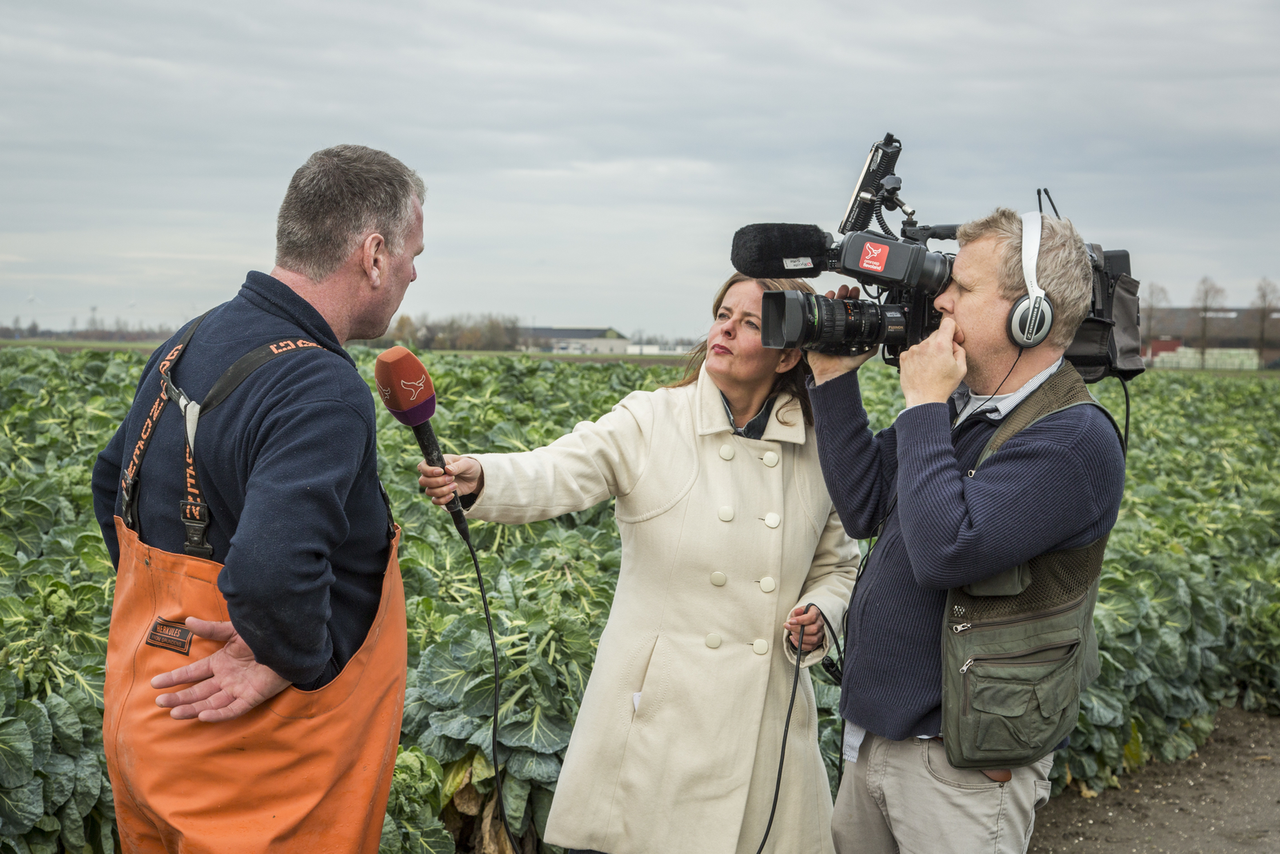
(1223, 800)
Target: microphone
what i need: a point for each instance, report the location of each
(780, 250)
(405, 387)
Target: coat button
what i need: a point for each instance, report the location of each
(760, 647)
(773, 520)
(713, 641)
(718, 579)
(726, 452)
(770, 459)
(767, 585)
(726, 514)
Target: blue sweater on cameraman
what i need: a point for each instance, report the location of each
(1055, 485)
(288, 465)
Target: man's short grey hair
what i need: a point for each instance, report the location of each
(1062, 270)
(335, 199)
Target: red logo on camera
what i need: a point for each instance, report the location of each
(873, 255)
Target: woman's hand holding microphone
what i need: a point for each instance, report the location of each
(463, 475)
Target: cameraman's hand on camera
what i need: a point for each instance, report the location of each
(934, 368)
(826, 367)
(462, 475)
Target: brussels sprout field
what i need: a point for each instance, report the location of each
(1188, 617)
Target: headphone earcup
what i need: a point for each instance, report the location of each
(1020, 320)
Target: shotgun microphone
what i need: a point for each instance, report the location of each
(405, 387)
(780, 250)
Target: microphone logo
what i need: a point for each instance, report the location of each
(415, 388)
(384, 393)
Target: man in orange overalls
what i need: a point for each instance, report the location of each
(255, 551)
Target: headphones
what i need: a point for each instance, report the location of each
(1031, 317)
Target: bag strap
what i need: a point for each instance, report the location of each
(1060, 392)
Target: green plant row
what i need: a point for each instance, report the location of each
(55, 592)
(1188, 617)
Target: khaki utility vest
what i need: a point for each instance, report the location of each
(1019, 647)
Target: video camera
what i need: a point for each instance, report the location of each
(902, 278)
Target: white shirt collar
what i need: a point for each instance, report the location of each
(1000, 405)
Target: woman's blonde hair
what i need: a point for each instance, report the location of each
(792, 381)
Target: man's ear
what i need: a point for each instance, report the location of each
(373, 257)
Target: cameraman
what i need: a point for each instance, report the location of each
(945, 522)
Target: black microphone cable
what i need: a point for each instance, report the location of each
(460, 522)
(497, 686)
(795, 684)
(431, 453)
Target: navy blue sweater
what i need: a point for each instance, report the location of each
(1055, 485)
(288, 465)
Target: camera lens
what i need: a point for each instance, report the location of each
(837, 326)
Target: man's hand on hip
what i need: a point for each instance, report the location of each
(934, 368)
(229, 682)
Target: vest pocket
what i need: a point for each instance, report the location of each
(1017, 701)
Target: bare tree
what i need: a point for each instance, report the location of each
(1157, 300)
(1208, 296)
(1266, 301)
(468, 332)
(405, 330)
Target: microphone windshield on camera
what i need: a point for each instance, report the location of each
(780, 250)
(405, 386)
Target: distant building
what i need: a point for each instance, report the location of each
(658, 349)
(1165, 330)
(556, 339)
(1215, 359)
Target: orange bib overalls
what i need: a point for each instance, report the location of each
(306, 771)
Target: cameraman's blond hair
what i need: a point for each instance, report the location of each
(1062, 270)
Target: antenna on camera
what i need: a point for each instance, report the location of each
(1040, 203)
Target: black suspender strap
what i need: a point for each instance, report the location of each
(193, 509)
(247, 364)
(129, 479)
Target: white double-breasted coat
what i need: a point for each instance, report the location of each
(676, 747)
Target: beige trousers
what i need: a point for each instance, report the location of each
(903, 797)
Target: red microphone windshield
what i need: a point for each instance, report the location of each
(405, 386)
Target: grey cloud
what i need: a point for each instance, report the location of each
(587, 163)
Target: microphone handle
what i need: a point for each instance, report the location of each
(431, 453)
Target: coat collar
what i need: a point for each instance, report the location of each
(709, 412)
(275, 297)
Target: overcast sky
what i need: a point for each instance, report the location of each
(588, 162)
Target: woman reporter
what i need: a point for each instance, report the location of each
(727, 533)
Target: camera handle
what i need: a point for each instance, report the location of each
(888, 199)
(922, 233)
